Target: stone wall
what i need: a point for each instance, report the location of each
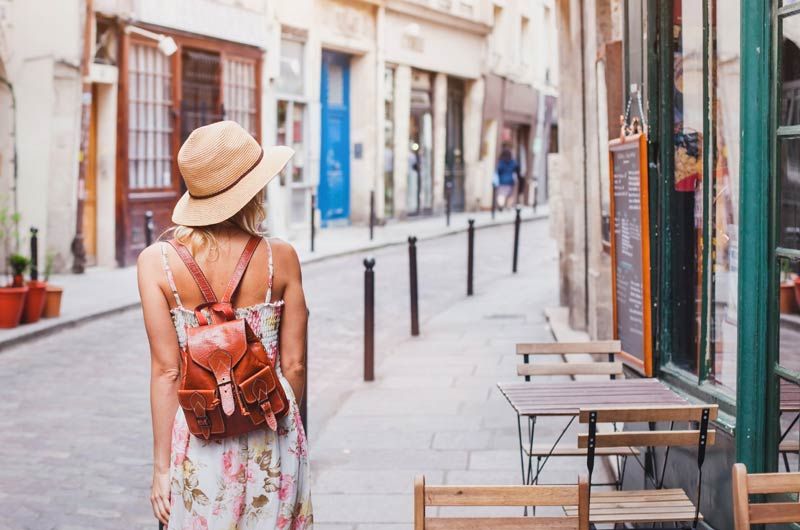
(585, 266)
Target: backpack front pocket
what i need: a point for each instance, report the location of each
(202, 411)
(264, 397)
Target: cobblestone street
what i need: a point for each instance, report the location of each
(74, 415)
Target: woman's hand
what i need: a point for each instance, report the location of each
(159, 496)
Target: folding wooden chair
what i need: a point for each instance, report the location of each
(650, 506)
(576, 496)
(746, 513)
(611, 368)
(611, 348)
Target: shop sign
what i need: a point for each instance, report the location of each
(630, 251)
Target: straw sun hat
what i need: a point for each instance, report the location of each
(223, 167)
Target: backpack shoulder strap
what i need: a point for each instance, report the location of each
(238, 272)
(195, 270)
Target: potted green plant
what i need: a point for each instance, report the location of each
(12, 297)
(37, 289)
(788, 287)
(52, 304)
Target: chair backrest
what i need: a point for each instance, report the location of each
(744, 485)
(611, 368)
(485, 496)
(671, 413)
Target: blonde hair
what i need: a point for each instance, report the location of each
(249, 219)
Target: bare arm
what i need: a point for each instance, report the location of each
(164, 373)
(294, 322)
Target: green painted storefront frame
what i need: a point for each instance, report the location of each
(660, 78)
(756, 416)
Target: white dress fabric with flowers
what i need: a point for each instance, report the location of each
(256, 481)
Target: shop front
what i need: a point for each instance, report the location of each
(432, 102)
(511, 110)
(716, 94)
(724, 223)
(162, 98)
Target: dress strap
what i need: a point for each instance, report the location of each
(170, 277)
(271, 269)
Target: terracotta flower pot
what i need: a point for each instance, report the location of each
(12, 301)
(52, 305)
(787, 297)
(34, 303)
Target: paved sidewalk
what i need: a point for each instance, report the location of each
(435, 408)
(82, 298)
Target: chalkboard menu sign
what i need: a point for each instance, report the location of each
(630, 250)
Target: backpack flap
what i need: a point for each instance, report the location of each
(201, 409)
(218, 348)
(264, 397)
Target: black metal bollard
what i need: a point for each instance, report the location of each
(149, 228)
(517, 223)
(412, 268)
(371, 214)
(369, 319)
(470, 256)
(313, 219)
(494, 200)
(34, 253)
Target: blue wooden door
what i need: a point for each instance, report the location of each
(334, 178)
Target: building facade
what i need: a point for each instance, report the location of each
(722, 209)
(423, 131)
(400, 106)
(40, 95)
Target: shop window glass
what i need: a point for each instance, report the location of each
(291, 131)
(789, 360)
(239, 89)
(291, 79)
(149, 119)
(298, 142)
(790, 71)
(388, 142)
(687, 190)
(724, 200)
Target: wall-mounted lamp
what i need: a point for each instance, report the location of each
(166, 45)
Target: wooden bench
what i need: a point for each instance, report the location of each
(746, 513)
(576, 496)
(647, 506)
(610, 348)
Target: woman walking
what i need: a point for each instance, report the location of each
(202, 478)
(507, 177)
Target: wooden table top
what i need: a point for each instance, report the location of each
(566, 398)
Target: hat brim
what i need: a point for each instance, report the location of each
(203, 212)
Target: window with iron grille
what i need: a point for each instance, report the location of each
(149, 122)
(239, 92)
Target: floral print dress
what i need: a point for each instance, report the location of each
(256, 481)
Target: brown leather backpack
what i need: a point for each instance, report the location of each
(228, 383)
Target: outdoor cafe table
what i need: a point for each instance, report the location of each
(567, 398)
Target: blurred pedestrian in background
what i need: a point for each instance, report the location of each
(507, 176)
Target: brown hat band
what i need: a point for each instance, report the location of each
(232, 184)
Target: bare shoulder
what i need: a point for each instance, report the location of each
(285, 257)
(149, 258)
(148, 264)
